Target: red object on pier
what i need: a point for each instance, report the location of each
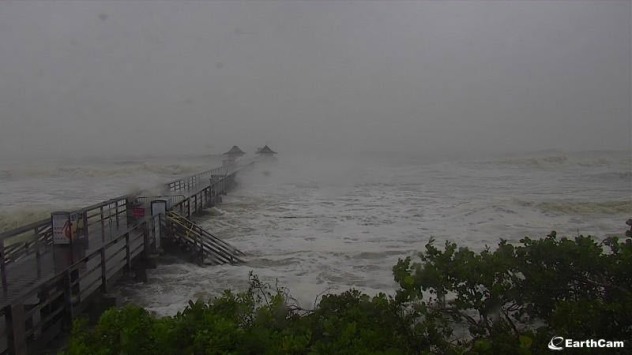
(138, 212)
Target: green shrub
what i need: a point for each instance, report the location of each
(511, 300)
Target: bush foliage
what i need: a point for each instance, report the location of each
(510, 300)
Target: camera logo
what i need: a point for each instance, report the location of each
(556, 343)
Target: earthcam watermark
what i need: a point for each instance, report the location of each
(560, 343)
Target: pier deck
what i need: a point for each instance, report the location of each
(44, 285)
(51, 261)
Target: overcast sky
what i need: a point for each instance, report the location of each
(459, 76)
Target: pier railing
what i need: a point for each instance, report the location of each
(34, 238)
(44, 285)
(189, 182)
(193, 181)
(110, 214)
(205, 196)
(40, 313)
(171, 200)
(18, 242)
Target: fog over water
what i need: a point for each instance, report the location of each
(395, 122)
(449, 78)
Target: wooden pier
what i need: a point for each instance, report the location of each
(45, 285)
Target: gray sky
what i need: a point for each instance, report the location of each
(458, 77)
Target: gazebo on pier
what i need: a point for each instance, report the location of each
(232, 155)
(235, 152)
(266, 152)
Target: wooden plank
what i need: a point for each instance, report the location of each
(52, 331)
(115, 276)
(138, 249)
(90, 288)
(89, 279)
(114, 249)
(50, 297)
(17, 336)
(92, 265)
(3, 335)
(117, 262)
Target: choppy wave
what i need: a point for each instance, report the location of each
(587, 208)
(105, 171)
(317, 226)
(17, 218)
(616, 175)
(557, 160)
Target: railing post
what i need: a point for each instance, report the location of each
(127, 252)
(84, 217)
(156, 231)
(147, 248)
(16, 336)
(102, 225)
(116, 209)
(38, 256)
(201, 255)
(3, 266)
(104, 279)
(68, 298)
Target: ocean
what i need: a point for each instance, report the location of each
(317, 225)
